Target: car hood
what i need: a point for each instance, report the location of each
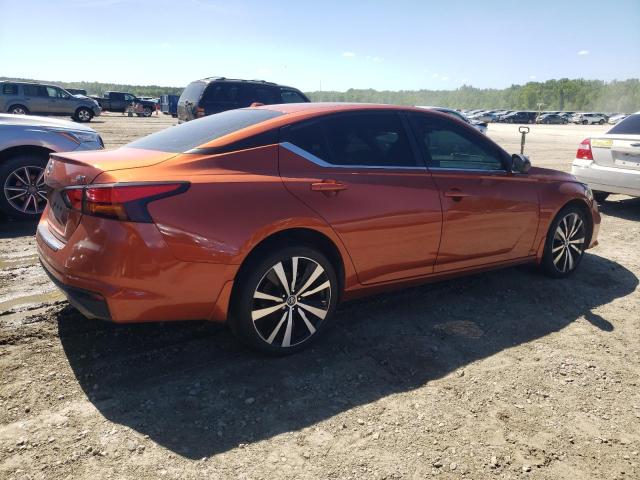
(34, 121)
(550, 175)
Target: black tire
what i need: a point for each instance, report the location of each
(13, 175)
(83, 115)
(147, 111)
(585, 122)
(18, 110)
(601, 122)
(288, 328)
(599, 196)
(561, 257)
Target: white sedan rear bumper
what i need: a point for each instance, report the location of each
(607, 179)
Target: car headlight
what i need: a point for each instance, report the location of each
(81, 137)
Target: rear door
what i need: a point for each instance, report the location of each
(489, 215)
(360, 173)
(37, 98)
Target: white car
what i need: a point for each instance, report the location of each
(613, 119)
(611, 163)
(589, 118)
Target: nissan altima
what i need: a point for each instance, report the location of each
(268, 217)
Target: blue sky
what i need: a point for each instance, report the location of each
(396, 45)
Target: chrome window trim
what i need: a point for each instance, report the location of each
(321, 163)
(478, 170)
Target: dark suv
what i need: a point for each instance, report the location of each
(217, 94)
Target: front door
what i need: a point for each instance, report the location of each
(489, 215)
(359, 172)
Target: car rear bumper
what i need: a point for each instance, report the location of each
(125, 272)
(607, 179)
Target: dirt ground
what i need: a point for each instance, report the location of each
(501, 375)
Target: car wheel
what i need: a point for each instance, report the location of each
(24, 195)
(146, 112)
(566, 242)
(600, 196)
(585, 122)
(83, 115)
(285, 301)
(19, 110)
(601, 122)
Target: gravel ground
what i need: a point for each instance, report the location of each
(502, 375)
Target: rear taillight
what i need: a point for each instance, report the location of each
(199, 112)
(127, 202)
(584, 150)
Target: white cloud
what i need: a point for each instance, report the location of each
(584, 52)
(532, 77)
(444, 79)
(348, 54)
(435, 75)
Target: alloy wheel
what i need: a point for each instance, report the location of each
(568, 242)
(18, 111)
(84, 115)
(291, 301)
(25, 190)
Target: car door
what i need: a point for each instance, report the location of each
(489, 214)
(36, 98)
(57, 105)
(359, 172)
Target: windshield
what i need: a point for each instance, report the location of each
(189, 135)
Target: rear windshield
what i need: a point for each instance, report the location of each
(630, 125)
(192, 134)
(193, 91)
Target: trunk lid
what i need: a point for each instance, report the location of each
(617, 151)
(81, 168)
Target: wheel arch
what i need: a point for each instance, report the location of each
(18, 104)
(12, 152)
(296, 236)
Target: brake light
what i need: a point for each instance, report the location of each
(126, 202)
(584, 150)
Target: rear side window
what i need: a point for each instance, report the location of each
(9, 89)
(291, 96)
(221, 93)
(628, 126)
(35, 91)
(372, 139)
(189, 135)
(266, 95)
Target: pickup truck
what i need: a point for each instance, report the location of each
(119, 101)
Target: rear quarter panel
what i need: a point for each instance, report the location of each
(235, 201)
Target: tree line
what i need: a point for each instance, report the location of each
(564, 94)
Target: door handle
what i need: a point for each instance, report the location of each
(456, 194)
(330, 187)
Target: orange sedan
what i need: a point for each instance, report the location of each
(267, 217)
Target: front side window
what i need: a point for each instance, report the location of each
(53, 92)
(291, 96)
(9, 89)
(447, 145)
(129, 98)
(371, 139)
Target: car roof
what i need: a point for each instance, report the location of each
(209, 80)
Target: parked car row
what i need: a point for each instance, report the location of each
(546, 117)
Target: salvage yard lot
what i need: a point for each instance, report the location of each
(506, 374)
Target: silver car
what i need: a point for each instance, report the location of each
(25, 145)
(610, 163)
(40, 99)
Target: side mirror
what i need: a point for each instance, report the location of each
(520, 163)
